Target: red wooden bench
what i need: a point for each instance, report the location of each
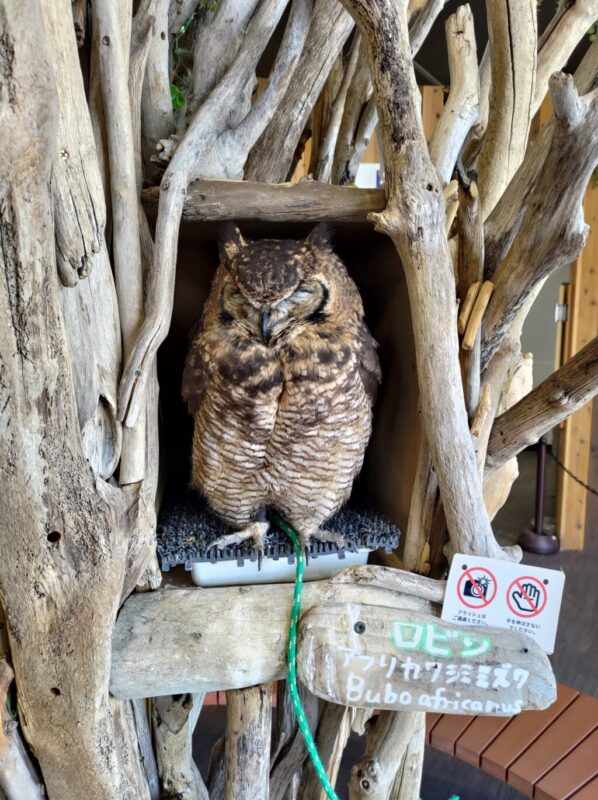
(546, 755)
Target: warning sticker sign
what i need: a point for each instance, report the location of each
(485, 591)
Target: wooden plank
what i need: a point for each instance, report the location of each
(480, 735)
(589, 791)
(557, 741)
(574, 446)
(591, 538)
(521, 732)
(307, 201)
(375, 657)
(572, 773)
(447, 731)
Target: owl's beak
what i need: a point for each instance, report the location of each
(265, 325)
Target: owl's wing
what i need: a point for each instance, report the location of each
(195, 377)
(369, 364)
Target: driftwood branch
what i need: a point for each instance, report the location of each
(65, 533)
(387, 739)
(470, 274)
(553, 231)
(461, 110)
(414, 219)
(214, 628)
(555, 399)
(156, 103)
(572, 22)
(513, 59)
(407, 781)
(503, 224)
(360, 91)
(209, 122)
(328, 144)
(216, 46)
(247, 748)
(18, 777)
(128, 271)
(79, 208)
(331, 738)
(271, 158)
(174, 719)
(228, 157)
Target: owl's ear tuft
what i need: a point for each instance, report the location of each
(230, 243)
(320, 238)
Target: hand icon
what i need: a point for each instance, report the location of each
(528, 599)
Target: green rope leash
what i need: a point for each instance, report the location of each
(292, 665)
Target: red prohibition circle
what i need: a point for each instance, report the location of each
(469, 574)
(518, 584)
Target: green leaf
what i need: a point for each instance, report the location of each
(177, 97)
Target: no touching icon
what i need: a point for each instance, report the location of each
(527, 597)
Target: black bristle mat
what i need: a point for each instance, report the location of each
(187, 527)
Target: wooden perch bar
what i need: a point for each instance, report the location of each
(176, 641)
(556, 398)
(308, 201)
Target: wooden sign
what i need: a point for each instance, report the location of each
(376, 657)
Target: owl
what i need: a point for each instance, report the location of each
(280, 378)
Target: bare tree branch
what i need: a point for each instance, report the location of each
(504, 222)
(555, 399)
(209, 122)
(271, 158)
(512, 30)
(553, 230)
(156, 103)
(462, 107)
(415, 219)
(229, 154)
(572, 23)
(128, 271)
(328, 145)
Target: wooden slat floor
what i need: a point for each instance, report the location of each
(546, 755)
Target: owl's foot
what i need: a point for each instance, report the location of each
(322, 536)
(256, 531)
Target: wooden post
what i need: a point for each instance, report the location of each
(248, 727)
(576, 435)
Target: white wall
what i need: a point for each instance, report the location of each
(539, 331)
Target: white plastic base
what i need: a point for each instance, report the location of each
(227, 573)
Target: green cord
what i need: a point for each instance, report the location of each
(292, 665)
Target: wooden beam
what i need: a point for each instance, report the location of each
(193, 640)
(306, 201)
(574, 445)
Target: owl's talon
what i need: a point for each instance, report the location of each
(334, 538)
(256, 531)
(306, 551)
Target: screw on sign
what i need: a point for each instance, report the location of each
(527, 596)
(476, 588)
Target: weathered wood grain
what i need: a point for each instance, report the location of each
(307, 201)
(194, 640)
(361, 655)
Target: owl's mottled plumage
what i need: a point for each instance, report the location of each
(281, 378)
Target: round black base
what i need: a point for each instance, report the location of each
(542, 543)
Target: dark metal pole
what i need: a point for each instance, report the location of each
(540, 486)
(536, 539)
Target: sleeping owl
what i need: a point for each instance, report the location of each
(280, 378)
